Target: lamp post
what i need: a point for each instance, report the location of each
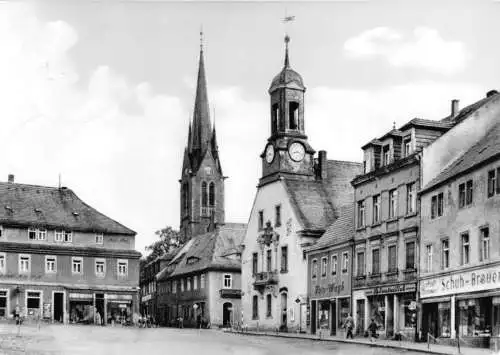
(300, 314)
(195, 307)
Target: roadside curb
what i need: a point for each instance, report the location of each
(379, 345)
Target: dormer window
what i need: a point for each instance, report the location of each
(407, 146)
(293, 115)
(386, 155)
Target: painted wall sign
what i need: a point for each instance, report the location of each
(80, 296)
(330, 289)
(392, 289)
(461, 282)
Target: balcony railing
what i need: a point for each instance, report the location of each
(375, 278)
(360, 281)
(410, 274)
(207, 211)
(230, 293)
(262, 279)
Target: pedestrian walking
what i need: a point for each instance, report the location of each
(349, 325)
(372, 328)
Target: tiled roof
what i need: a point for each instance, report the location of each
(372, 142)
(31, 205)
(340, 231)
(486, 148)
(212, 250)
(427, 123)
(468, 110)
(311, 203)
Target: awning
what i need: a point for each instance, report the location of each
(466, 296)
(435, 299)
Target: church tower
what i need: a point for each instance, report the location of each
(287, 152)
(202, 181)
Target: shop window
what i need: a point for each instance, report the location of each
(334, 264)
(475, 317)
(376, 209)
(465, 248)
(407, 300)
(269, 258)
(269, 306)
(3, 303)
(485, 244)
(444, 319)
(393, 203)
(393, 261)
(323, 312)
(255, 260)
(50, 264)
(255, 307)
(410, 255)
(33, 300)
(324, 264)
(445, 254)
(284, 259)
(344, 308)
(378, 310)
(228, 281)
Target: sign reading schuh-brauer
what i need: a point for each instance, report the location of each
(460, 282)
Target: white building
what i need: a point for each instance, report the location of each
(298, 196)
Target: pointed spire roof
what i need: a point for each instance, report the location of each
(201, 118)
(287, 77)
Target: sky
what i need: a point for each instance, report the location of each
(101, 92)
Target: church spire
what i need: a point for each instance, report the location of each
(201, 117)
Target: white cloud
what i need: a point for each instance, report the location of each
(426, 49)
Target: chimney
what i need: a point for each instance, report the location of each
(11, 178)
(491, 93)
(323, 171)
(454, 108)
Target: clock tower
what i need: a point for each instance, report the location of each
(287, 152)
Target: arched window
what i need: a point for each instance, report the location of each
(293, 115)
(204, 196)
(275, 116)
(211, 194)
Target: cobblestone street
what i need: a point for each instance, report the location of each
(54, 339)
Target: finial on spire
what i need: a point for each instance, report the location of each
(394, 125)
(287, 61)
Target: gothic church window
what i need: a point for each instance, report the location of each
(293, 112)
(211, 194)
(204, 196)
(185, 194)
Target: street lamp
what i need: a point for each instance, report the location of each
(300, 314)
(195, 307)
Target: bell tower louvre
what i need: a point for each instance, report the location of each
(202, 181)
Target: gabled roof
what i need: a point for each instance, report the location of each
(340, 231)
(486, 148)
(420, 122)
(50, 207)
(213, 250)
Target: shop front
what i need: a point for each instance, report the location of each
(118, 308)
(393, 308)
(330, 305)
(464, 304)
(81, 308)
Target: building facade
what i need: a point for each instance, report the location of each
(202, 284)
(387, 228)
(329, 277)
(63, 261)
(297, 198)
(460, 258)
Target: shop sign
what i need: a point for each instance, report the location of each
(118, 297)
(81, 296)
(392, 289)
(461, 282)
(330, 289)
(146, 298)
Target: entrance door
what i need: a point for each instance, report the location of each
(99, 305)
(360, 317)
(284, 309)
(227, 309)
(59, 307)
(390, 316)
(312, 317)
(430, 319)
(333, 308)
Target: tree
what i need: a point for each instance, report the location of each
(169, 239)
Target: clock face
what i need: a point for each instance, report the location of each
(269, 153)
(296, 151)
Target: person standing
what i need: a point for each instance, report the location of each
(349, 325)
(372, 328)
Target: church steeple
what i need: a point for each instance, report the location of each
(201, 118)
